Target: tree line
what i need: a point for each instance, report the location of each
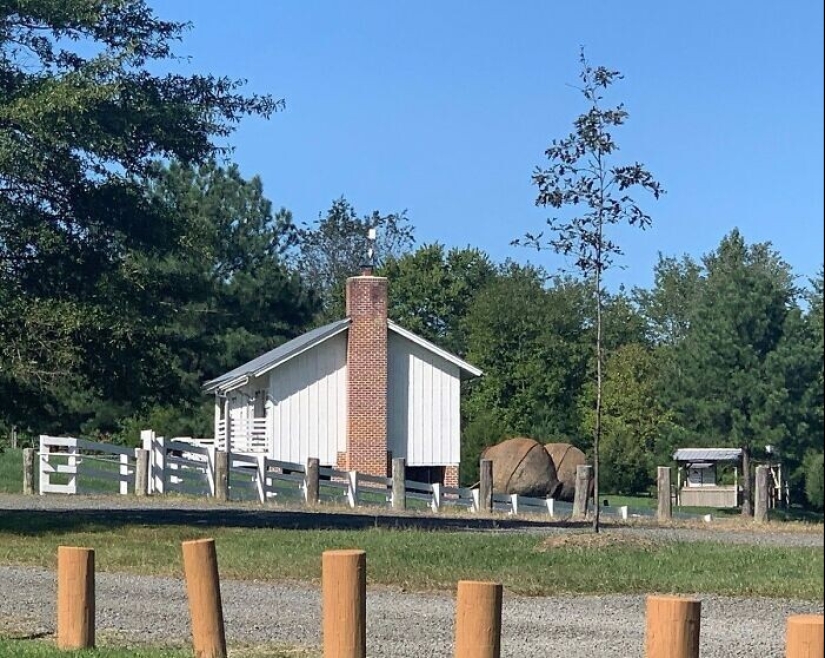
(136, 262)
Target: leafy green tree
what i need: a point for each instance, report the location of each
(669, 305)
(247, 299)
(814, 479)
(336, 247)
(528, 341)
(635, 419)
(730, 367)
(431, 290)
(83, 249)
(580, 176)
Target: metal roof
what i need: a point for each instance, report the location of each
(276, 357)
(272, 359)
(707, 454)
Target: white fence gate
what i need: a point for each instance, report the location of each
(69, 465)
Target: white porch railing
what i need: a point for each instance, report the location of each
(243, 435)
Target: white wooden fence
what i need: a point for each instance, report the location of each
(69, 465)
(186, 465)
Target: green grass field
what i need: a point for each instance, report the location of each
(422, 560)
(650, 502)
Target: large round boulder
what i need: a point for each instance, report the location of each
(522, 466)
(566, 458)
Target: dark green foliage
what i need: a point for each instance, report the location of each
(814, 479)
(92, 281)
(485, 429)
(335, 247)
(432, 289)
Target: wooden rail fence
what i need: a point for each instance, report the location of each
(197, 467)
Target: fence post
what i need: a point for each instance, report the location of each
(42, 473)
(159, 463)
(312, 481)
(664, 511)
(760, 512)
(485, 485)
(514, 503)
(478, 620)
(399, 483)
(75, 597)
(344, 603)
(352, 488)
(435, 504)
(582, 492)
(141, 472)
(221, 475)
(261, 483)
(123, 471)
(672, 627)
(804, 637)
(203, 588)
(28, 471)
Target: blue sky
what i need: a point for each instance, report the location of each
(445, 108)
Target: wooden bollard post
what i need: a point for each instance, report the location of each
(760, 510)
(672, 627)
(141, 472)
(221, 475)
(399, 484)
(200, 565)
(584, 474)
(313, 481)
(478, 620)
(664, 511)
(28, 471)
(344, 585)
(804, 637)
(75, 598)
(485, 485)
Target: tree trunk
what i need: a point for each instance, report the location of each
(747, 483)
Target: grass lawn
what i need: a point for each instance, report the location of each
(24, 648)
(11, 471)
(650, 502)
(422, 560)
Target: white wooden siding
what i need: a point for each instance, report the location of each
(422, 405)
(307, 411)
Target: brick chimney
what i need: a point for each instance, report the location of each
(367, 375)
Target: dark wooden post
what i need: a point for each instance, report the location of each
(399, 486)
(760, 512)
(664, 511)
(28, 471)
(485, 485)
(221, 475)
(313, 481)
(141, 472)
(584, 474)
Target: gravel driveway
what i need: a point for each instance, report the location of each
(400, 625)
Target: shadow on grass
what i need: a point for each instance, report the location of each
(35, 522)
